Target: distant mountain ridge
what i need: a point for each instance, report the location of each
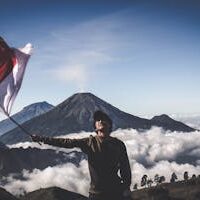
(15, 160)
(76, 114)
(24, 115)
(4, 195)
(2, 146)
(191, 120)
(53, 193)
(173, 125)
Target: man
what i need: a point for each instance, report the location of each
(106, 156)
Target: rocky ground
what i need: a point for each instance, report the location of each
(181, 190)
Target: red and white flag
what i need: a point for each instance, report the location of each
(12, 67)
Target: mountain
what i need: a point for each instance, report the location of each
(173, 125)
(24, 115)
(76, 114)
(4, 195)
(190, 120)
(53, 193)
(3, 146)
(13, 161)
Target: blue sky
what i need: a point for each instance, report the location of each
(140, 56)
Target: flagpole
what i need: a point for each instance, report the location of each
(22, 128)
(15, 122)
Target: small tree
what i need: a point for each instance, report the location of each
(173, 178)
(193, 179)
(161, 179)
(149, 183)
(135, 187)
(198, 179)
(186, 176)
(144, 180)
(156, 179)
(194, 176)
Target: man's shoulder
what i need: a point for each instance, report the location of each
(92, 139)
(116, 140)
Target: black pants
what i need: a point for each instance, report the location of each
(112, 196)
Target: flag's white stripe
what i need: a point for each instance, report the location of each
(10, 86)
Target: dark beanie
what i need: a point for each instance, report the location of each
(99, 115)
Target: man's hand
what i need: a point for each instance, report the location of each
(36, 138)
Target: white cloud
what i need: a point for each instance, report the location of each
(151, 148)
(79, 67)
(66, 176)
(76, 74)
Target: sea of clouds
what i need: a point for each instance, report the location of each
(151, 152)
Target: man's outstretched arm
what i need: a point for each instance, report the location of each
(62, 142)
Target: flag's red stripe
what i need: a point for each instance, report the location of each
(7, 60)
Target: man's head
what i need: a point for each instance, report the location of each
(102, 122)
